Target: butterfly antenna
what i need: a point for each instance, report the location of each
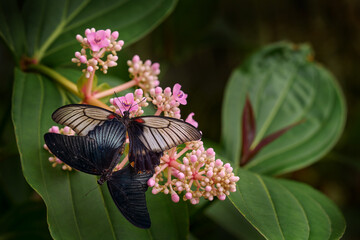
(137, 103)
(91, 190)
(116, 102)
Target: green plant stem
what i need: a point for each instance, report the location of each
(66, 83)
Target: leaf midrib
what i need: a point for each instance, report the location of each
(273, 113)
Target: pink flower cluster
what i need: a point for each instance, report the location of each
(99, 42)
(167, 101)
(54, 160)
(145, 74)
(197, 174)
(130, 102)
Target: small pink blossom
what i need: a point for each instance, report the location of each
(179, 95)
(98, 40)
(125, 103)
(190, 120)
(136, 100)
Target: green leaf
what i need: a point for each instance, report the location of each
(76, 206)
(283, 209)
(11, 27)
(226, 215)
(51, 26)
(285, 86)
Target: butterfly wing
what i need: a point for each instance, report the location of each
(144, 159)
(162, 133)
(151, 135)
(92, 154)
(82, 118)
(127, 189)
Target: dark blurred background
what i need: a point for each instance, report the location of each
(198, 46)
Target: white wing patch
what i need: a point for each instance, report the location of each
(162, 133)
(81, 118)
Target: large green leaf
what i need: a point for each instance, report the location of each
(50, 26)
(75, 211)
(282, 209)
(58, 22)
(285, 86)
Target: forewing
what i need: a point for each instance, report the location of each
(82, 118)
(93, 153)
(162, 133)
(127, 189)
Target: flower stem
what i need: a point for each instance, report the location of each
(89, 85)
(96, 102)
(119, 88)
(66, 83)
(158, 112)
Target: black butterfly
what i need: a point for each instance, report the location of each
(149, 136)
(97, 154)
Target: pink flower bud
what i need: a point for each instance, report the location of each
(67, 130)
(181, 176)
(227, 165)
(54, 129)
(90, 69)
(107, 33)
(193, 158)
(222, 197)
(158, 98)
(167, 91)
(136, 59)
(79, 38)
(158, 90)
(188, 195)
(83, 59)
(139, 92)
(229, 169)
(222, 174)
(152, 91)
(210, 151)
(115, 35)
(77, 54)
(208, 188)
(209, 173)
(182, 168)
(175, 198)
(112, 64)
(147, 62)
(154, 191)
(87, 31)
(121, 43)
(234, 178)
(155, 66)
(218, 163)
(151, 182)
